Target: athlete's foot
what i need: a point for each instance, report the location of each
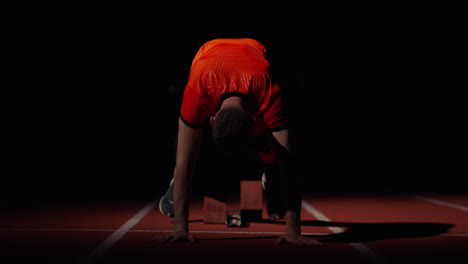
(166, 203)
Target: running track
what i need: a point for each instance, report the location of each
(354, 228)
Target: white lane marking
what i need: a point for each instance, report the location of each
(226, 232)
(439, 202)
(118, 234)
(142, 231)
(56, 229)
(361, 248)
(168, 231)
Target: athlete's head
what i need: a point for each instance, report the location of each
(231, 130)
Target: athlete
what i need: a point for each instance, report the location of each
(231, 87)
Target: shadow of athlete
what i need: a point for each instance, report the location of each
(363, 232)
(368, 232)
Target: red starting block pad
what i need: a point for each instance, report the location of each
(214, 211)
(251, 201)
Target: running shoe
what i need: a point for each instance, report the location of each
(166, 203)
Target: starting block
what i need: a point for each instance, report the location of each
(214, 211)
(251, 207)
(251, 201)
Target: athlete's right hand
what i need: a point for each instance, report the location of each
(175, 237)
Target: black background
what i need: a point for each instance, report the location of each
(94, 103)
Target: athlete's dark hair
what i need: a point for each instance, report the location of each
(232, 130)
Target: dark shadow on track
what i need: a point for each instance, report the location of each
(366, 232)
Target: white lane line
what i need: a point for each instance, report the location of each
(225, 232)
(143, 231)
(118, 234)
(361, 248)
(56, 230)
(169, 231)
(439, 202)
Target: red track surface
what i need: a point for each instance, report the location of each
(360, 228)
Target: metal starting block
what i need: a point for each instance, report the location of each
(234, 219)
(251, 207)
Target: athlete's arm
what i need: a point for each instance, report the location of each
(188, 145)
(291, 192)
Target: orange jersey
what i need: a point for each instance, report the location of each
(226, 67)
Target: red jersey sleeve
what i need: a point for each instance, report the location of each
(194, 110)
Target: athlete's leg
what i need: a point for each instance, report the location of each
(271, 177)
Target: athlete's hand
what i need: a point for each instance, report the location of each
(175, 237)
(297, 239)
